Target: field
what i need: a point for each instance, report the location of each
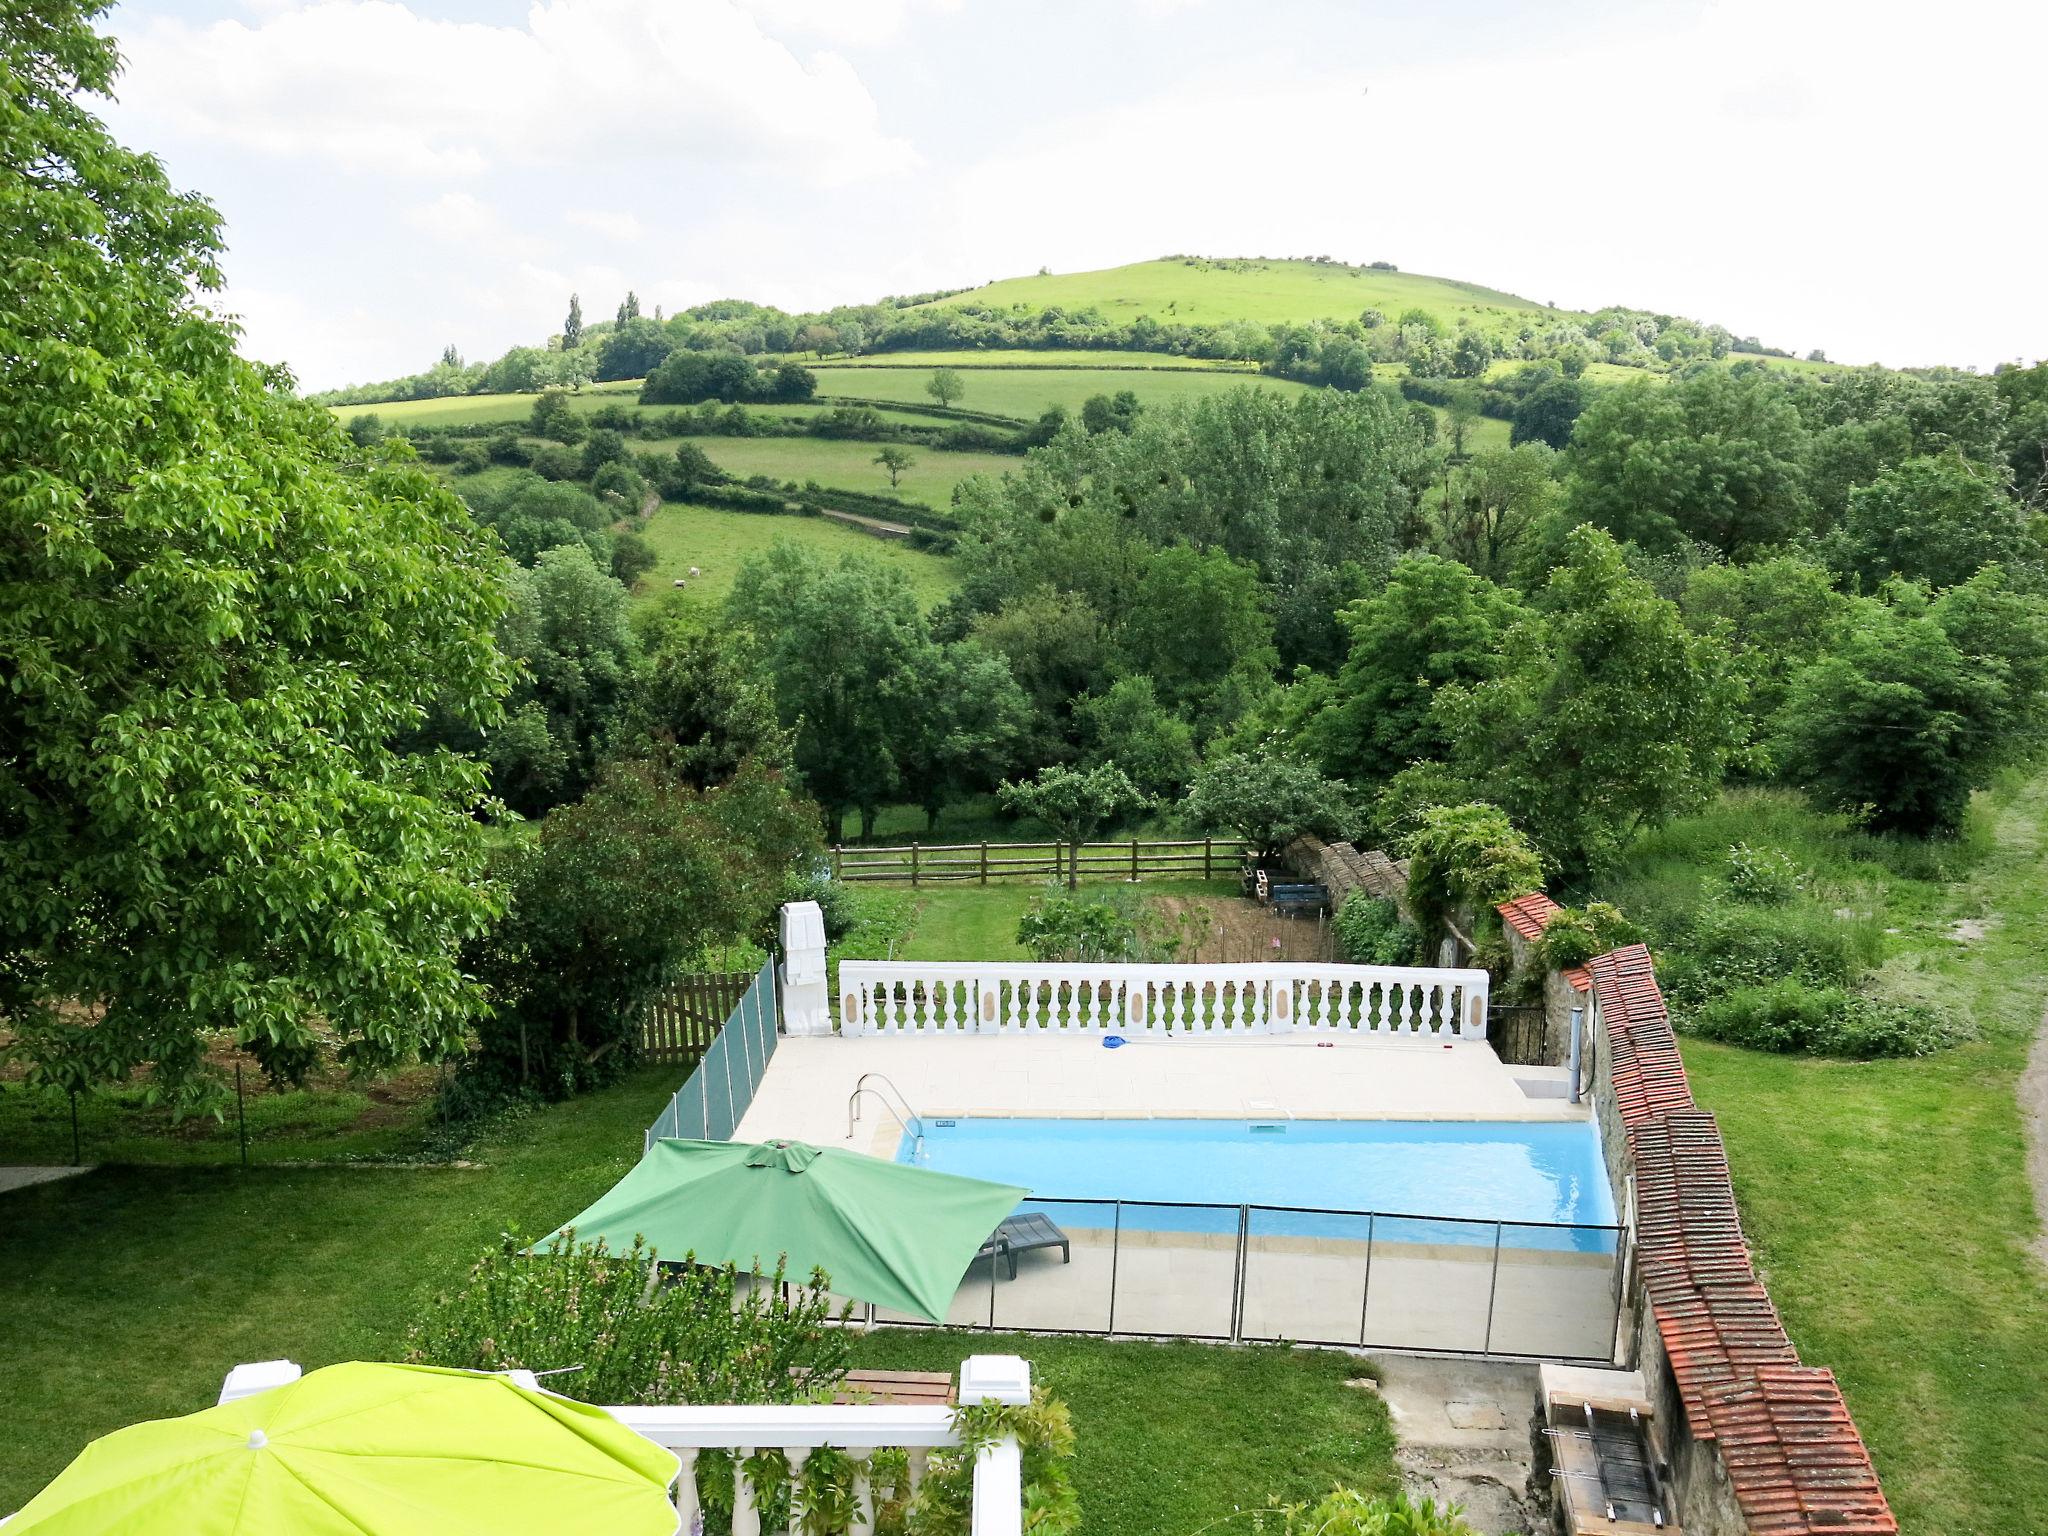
(717, 541)
(848, 465)
(1026, 392)
(1200, 292)
(1059, 357)
(1887, 1201)
(476, 410)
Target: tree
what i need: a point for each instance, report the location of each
(792, 384)
(1268, 799)
(1471, 355)
(633, 349)
(1935, 520)
(818, 339)
(629, 307)
(1111, 413)
(220, 618)
(615, 895)
(1548, 413)
(555, 418)
(1776, 617)
(1716, 459)
(1128, 726)
(945, 386)
(894, 460)
(602, 447)
(1605, 714)
(1196, 625)
(702, 704)
(572, 327)
(848, 652)
(567, 630)
(1056, 650)
(1434, 624)
(965, 727)
(1076, 803)
(1467, 858)
(1491, 505)
(1918, 704)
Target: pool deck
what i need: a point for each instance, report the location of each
(804, 1091)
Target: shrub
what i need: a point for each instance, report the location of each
(944, 1502)
(1576, 934)
(1349, 1513)
(1732, 945)
(1467, 855)
(1792, 1015)
(1059, 926)
(1371, 931)
(1766, 876)
(698, 1337)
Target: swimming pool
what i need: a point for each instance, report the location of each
(1430, 1181)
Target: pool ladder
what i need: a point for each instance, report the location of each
(905, 1116)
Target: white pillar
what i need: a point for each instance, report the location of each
(998, 1468)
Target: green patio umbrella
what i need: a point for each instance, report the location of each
(895, 1235)
(367, 1450)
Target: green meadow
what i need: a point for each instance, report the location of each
(1027, 391)
(718, 541)
(1206, 292)
(843, 465)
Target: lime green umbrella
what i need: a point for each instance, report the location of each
(888, 1233)
(367, 1450)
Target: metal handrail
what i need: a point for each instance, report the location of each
(902, 1098)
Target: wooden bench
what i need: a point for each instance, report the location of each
(1299, 896)
(912, 1389)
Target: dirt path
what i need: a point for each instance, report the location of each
(2033, 1091)
(1231, 930)
(874, 525)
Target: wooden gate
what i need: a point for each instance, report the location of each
(684, 1016)
(1518, 1034)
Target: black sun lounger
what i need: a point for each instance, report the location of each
(1021, 1234)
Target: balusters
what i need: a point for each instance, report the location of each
(863, 1522)
(798, 1455)
(687, 1505)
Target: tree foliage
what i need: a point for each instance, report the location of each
(1268, 799)
(1075, 802)
(216, 618)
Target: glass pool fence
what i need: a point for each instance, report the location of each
(1268, 1274)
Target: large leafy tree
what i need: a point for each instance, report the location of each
(1919, 703)
(1716, 460)
(1434, 623)
(851, 658)
(1076, 803)
(1267, 799)
(216, 618)
(1606, 715)
(1198, 628)
(1937, 520)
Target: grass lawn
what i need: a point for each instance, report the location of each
(1178, 1437)
(1026, 392)
(979, 922)
(849, 465)
(716, 540)
(471, 410)
(129, 1292)
(1887, 1201)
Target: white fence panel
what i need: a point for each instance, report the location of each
(914, 997)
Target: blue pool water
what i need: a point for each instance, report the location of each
(1298, 1174)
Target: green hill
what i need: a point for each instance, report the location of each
(1196, 290)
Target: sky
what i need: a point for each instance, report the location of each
(401, 175)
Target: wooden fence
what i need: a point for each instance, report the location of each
(1203, 858)
(683, 1019)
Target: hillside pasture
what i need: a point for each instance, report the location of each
(1056, 357)
(718, 541)
(838, 464)
(1026, 392)
(1198, 291)
(490, 410)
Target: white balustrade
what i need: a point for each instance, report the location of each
(857, 1430)
(922, 997)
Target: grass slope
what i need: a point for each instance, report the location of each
(1025, 392)
(1887, 1202)
(1197, 291)
(849, 465)
(489, 410)
(717, 540)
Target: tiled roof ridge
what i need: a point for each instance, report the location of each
(1529, 915)
(1793, 1454)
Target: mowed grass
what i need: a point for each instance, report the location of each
(717, 541)
(1267, 292)
(492, 410)
(979, 922)
(1027, 392)
(849, 466)
(1887, 1202)
(1185, 1438)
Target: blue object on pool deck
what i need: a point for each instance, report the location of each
(1415, 1173)
(1111, 1042)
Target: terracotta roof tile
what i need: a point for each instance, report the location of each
(1578, 978)
(1794, 1457)
(1529, 915)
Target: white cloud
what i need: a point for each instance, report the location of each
(612, 225)
(372, 85)
(454, 216)
(849, 23)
